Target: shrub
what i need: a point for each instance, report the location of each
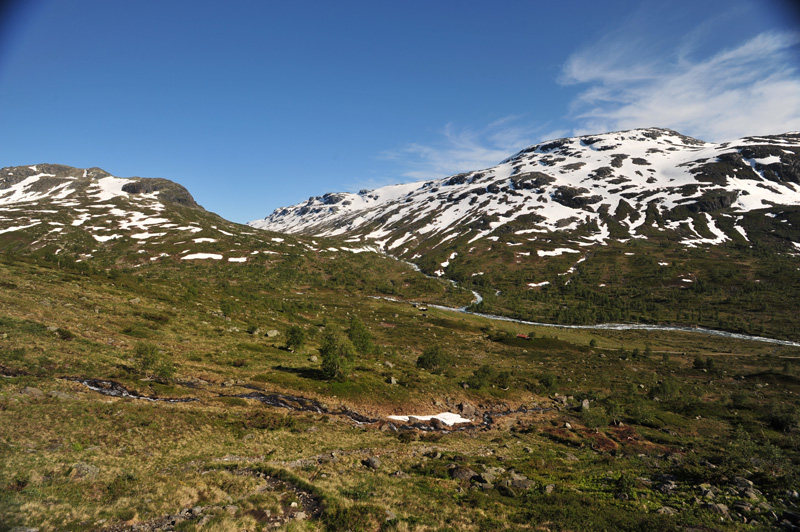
(165, 370)
(700, 363)
(487, 375)
(64, 334)
(337, 355)
(360, 336)
(548, 381)
(434, 359)
(146, 356)
(783, 418)
(594, 417)
(295, 336)
(227, 307)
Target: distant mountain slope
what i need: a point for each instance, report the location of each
(645, 225)
(619, 185)
(90, 213)
(90, 220)
(54, 199)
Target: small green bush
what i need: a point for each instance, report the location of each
(64, 334)
(337, 355)
(295, 336)
(146, 356)
(360, 336)
(548, 381)
(488, 375)
(434, 359)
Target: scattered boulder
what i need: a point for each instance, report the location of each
(521, 482)
(751, 493)
(550, 488)
(437, 424)
(585, 405)
(61, 395)
(373, 462)
(462, 473)
(33, 392)
(667, 510)
(272, 333)
(666, 486)
(313, 358)
(83, 470)
(717, 508)
(467, 410)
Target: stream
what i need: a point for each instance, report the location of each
(602, 326)
(627, 327)
(486, 418)
(598, 327)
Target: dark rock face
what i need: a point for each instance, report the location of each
(458, 179)
(602, 173)
(531, 180)
(744, 164)
(573, 197)
(714, 201)
(169, 191)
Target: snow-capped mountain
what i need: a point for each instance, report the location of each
(89, 213)
(57, 197)
(619, 185)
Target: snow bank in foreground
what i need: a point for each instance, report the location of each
(448, 418)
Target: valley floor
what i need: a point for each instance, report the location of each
(571, 429)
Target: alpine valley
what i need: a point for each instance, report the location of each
(645, 225)
(419, 357)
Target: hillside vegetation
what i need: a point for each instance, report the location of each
(571, 429)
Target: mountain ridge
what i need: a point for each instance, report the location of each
(590, 184)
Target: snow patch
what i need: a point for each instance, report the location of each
(448, 418)
(537, 285)
(556, 252)
(194, 256)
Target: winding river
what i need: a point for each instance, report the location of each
(608, 326)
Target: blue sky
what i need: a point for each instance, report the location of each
(261, 104)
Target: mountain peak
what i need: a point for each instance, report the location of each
(59, 183)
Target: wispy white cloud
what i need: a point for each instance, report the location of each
(752, 88)
(461, 149)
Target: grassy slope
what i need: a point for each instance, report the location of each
(735, 416)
